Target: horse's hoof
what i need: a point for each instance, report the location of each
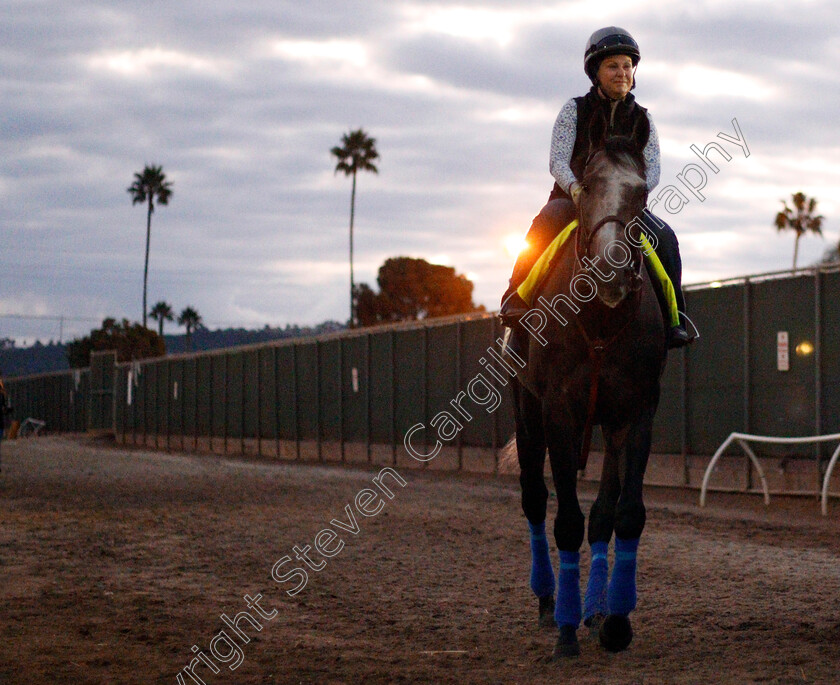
(594, 623)
(547, 612)
(615, 633)
(567, 644)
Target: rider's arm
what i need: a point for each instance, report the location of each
(651, 155)
(562, 145)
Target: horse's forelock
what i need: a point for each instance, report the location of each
(620, 148)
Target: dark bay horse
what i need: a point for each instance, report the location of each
(596, 353)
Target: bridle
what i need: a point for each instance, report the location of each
(598, 345)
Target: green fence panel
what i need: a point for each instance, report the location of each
(329, 396)
(306, 390)
(715, 367)
(218, 395)
(381, 383)
(441, 376)
(267, 400)
(235, 387)
(189, 400)
(484, 393)
(410, 384)
(829, 357)
(355, 388)
(285, 390)
(782, 401)
(250, 393)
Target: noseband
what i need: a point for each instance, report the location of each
(583, 250)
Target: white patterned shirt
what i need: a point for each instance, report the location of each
(563, 144)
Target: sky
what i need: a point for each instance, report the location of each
(240, 103)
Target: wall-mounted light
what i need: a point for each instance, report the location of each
(804, 348)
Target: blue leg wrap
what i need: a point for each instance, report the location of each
(621, 595)
(595, 601)
(542, 575)
(567, 608)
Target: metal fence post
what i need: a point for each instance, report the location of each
(818, 372)
(368, 427)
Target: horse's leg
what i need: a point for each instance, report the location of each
(568, 530)
(530, 446)
(616, 632)
(601, 522)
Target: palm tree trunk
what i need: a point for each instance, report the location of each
(352, 282)
(146, 265)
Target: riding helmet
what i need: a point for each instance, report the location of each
(610, 40)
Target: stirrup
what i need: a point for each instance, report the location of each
(679, 337)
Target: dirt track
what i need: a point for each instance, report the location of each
(114, 562)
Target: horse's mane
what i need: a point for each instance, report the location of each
(620, 148)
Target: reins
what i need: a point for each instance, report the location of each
(598, 346)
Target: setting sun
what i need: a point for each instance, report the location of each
(514, 244)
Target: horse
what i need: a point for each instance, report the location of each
(596, 349)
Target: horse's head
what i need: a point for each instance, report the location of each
(608, 240)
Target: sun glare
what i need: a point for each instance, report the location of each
(514, 244)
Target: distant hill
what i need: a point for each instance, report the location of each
(40, 358)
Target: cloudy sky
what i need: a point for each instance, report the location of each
(240, 102)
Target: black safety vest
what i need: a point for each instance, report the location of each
(620, 121)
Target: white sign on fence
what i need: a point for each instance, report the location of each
(782, 351)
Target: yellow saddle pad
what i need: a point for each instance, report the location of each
(541, 267)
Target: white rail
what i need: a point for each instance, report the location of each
(743, 438)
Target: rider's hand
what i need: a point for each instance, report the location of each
(575, 190)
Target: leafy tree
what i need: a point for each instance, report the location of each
(190, 319)
(414, 289)
(130, 340)
(800, 218)
(162, 311)
(831, 255)
(149, 185)
(357, 153)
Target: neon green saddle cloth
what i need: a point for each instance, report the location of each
(540, 269)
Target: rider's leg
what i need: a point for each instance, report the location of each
(545, 227)
(668, 250)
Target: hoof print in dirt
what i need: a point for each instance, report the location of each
(616, 633)
(567, 644)
(547, 612)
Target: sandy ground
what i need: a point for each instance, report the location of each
(115, 562)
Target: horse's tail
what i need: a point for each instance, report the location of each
(509, 457)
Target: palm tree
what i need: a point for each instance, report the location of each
(801, 218)
(191, 320)
(162, 311)
(148, 186)
(357, 153)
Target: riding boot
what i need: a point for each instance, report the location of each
(545, 227)
(667, 248)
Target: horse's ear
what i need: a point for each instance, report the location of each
(597, 130)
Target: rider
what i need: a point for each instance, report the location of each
(610, 63)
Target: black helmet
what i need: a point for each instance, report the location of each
(611, 40)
